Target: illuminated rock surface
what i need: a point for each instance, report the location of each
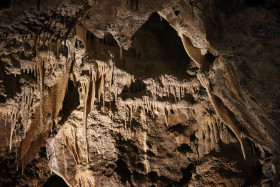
(140, 93)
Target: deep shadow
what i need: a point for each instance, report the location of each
(10, 82)
(156, 50)
(71, 101)
(254, 3)
(123, 171)
(5, 4)
(184, 148)
(177, 129)
(187, 175)
(136, 89)
(55, 181)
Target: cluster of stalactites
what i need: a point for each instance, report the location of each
(34, 68)
(176, 90)
(171, 86)
(20, 109)
(95, 85)
(99, 79)
(151, 108)
(42, 65)
(209, 134)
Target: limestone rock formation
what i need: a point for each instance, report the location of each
(140, 93)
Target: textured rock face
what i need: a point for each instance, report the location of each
(140, 93)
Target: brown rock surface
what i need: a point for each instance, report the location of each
(140, 93)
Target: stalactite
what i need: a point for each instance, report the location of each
(72, 145)
(92, 90)
(81, 34)
(85, 91)
(13, 124)
(70, 148)
(166, 115)
(42, 78)
(100, 87)
(145, 148)
(193, 52)
(22, 166)
(26, 104)
(125, 123)
(130, 116)
(103, 100)
(222, 112)
(53, 100)
(121, 53)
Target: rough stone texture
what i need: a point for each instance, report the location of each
(140, 93)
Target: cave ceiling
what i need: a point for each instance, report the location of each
(140, 93)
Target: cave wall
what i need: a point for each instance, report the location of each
(140, 93)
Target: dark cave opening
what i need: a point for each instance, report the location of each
(55, 181)
(157, 49)
(71, 101)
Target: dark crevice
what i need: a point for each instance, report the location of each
(139, 178)
(192, 137)
(71, 101)
(126, 146)
(189, 98)
(123, 171)
(135, 90)
(209, 59)
(10, 82)
(55, 181)
(177, 129)
(187, 175)
(150, 153)
(184, 148)
(153, 176)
